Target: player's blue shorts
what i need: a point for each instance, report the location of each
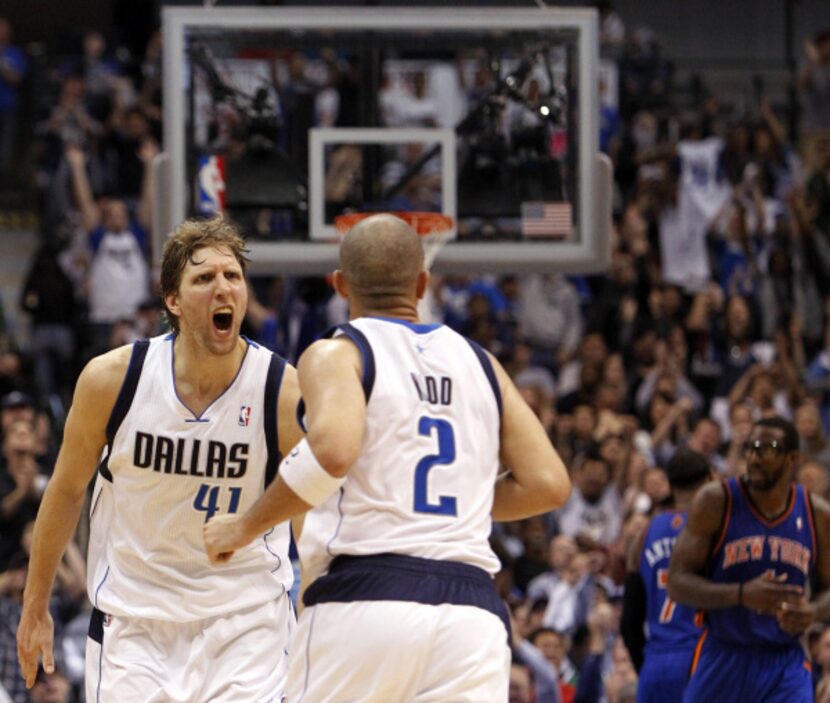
(664, 676)
(729, 672)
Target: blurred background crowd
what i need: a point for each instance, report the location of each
(709, 319)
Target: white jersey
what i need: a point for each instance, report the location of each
(423, 485)
(701, 186)
(119, 278)
(165, 473)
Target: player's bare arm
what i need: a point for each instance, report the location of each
(330, 381)
(84, 438)
(796, 617)
(290, 432)
(687, 584)
(538, 480)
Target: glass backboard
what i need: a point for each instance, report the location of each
(286, 117)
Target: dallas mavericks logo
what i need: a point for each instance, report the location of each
(244, 415)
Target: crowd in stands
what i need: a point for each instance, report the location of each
(709, 319)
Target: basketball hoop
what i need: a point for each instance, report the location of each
(433, 228)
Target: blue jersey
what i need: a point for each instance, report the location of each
(670, 626)
(750, 545)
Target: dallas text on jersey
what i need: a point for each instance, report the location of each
(187, 458)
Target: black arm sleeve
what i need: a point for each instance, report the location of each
(633, 617)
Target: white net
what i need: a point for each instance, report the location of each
(432, 243)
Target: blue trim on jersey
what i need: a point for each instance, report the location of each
(103, 580)
(124, 400)
(95, 505)
(400, 577)
(308, 654)
(416, 327)
(273, 383)
(202, 418)
(489, 371)
(170, 336)
(367, 355)
(251, 342)
(268, 549)
(339, 522)
(292, 619)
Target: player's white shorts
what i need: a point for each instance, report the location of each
(240, 657)
(398, 652)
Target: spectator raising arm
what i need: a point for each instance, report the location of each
(144, 213)
(81, 188)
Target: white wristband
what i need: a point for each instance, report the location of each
(304, 475)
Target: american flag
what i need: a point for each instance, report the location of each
(554, 219)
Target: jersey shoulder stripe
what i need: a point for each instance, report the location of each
(125, 398)
(273, 383)
(367, 355)
(489, 372)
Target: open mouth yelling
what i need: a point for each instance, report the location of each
(223, 319)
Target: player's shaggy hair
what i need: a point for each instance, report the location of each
(186, 240)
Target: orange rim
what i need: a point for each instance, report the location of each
(422, 222)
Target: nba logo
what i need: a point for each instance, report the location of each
(244, 415)
(211, 185)
(107, 619)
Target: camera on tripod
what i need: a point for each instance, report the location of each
(509, 137)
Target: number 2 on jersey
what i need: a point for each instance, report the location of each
(446, 505)
(207, 500)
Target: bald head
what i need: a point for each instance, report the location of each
(380, 257)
